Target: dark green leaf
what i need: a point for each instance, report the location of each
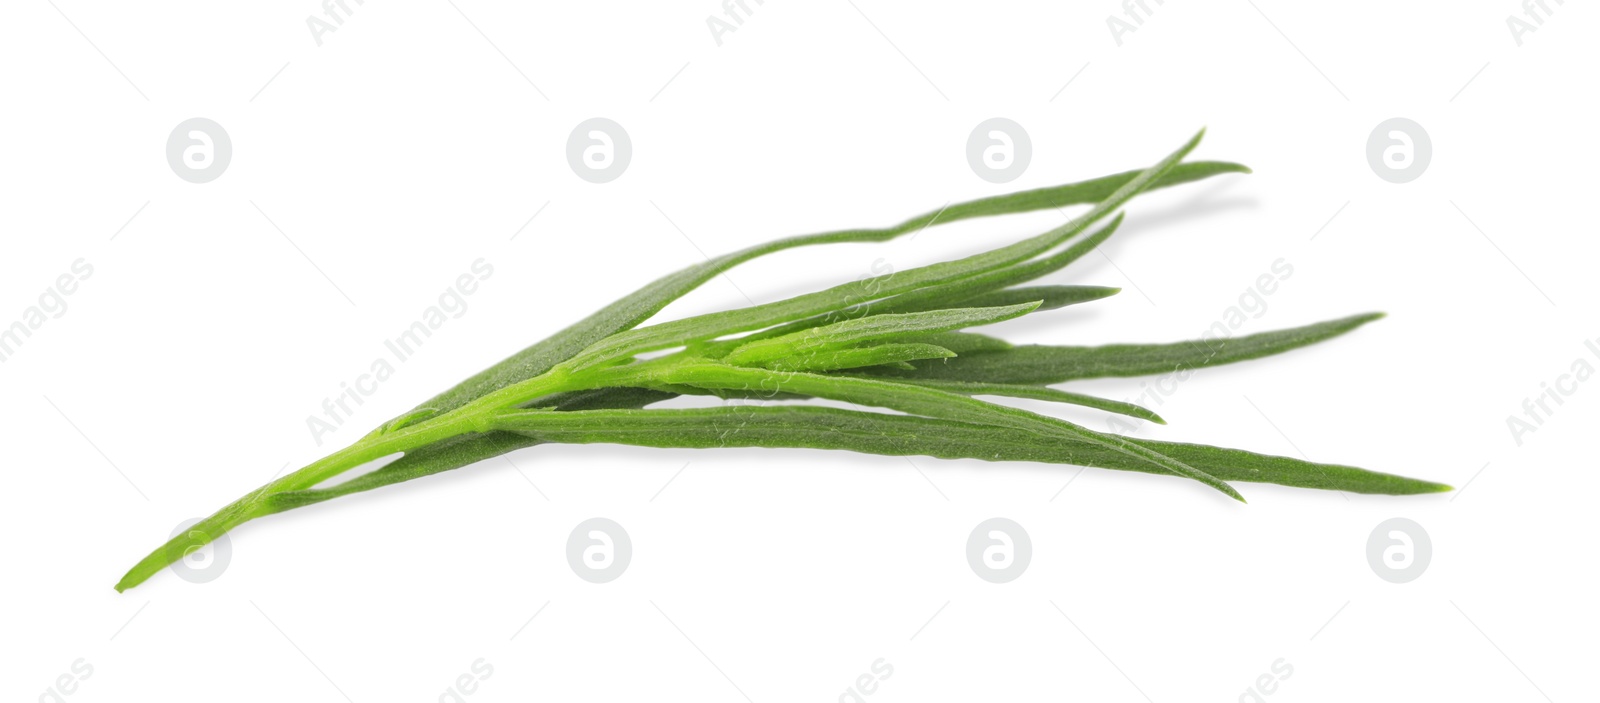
(1040, 393)
(857, 357)
(903, 435)
(1037, 365)
(917, 400)
(710, 326)
(630, 311)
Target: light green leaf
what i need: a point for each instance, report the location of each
(857, 357)
(875, 328)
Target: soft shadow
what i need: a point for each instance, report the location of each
(1199, 204)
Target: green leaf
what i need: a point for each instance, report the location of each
(857, 357)
(903, 435)
(1049, 297)
(639, 306)
(917, 400)
(451, 429)
(955, 293)
(704, 327)
(630, 311)
(1080, 193)
(1037, 365)
(633, 309)
(464, 450)
(992, 281)
(964, 342)
(874, 328)
(1041, 393)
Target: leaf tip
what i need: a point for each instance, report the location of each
(1362, 319)
(1231, 492)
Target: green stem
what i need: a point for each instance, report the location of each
(474, 417)
(467, 419)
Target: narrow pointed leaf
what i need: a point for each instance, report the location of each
(857, 357)
(453, 428)
(464, 450)
(633, 309)
(1049, 297)
(999, 278)
(1041, 393)
(710, 326)
(956, 292)
(964, 342)
(1036, 365)
(875, 328)
(928, 402)
(903, 435)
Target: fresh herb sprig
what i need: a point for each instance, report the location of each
(893, 342)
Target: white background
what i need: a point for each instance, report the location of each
(410, 144)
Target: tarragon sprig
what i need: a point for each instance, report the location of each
(894, 342)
